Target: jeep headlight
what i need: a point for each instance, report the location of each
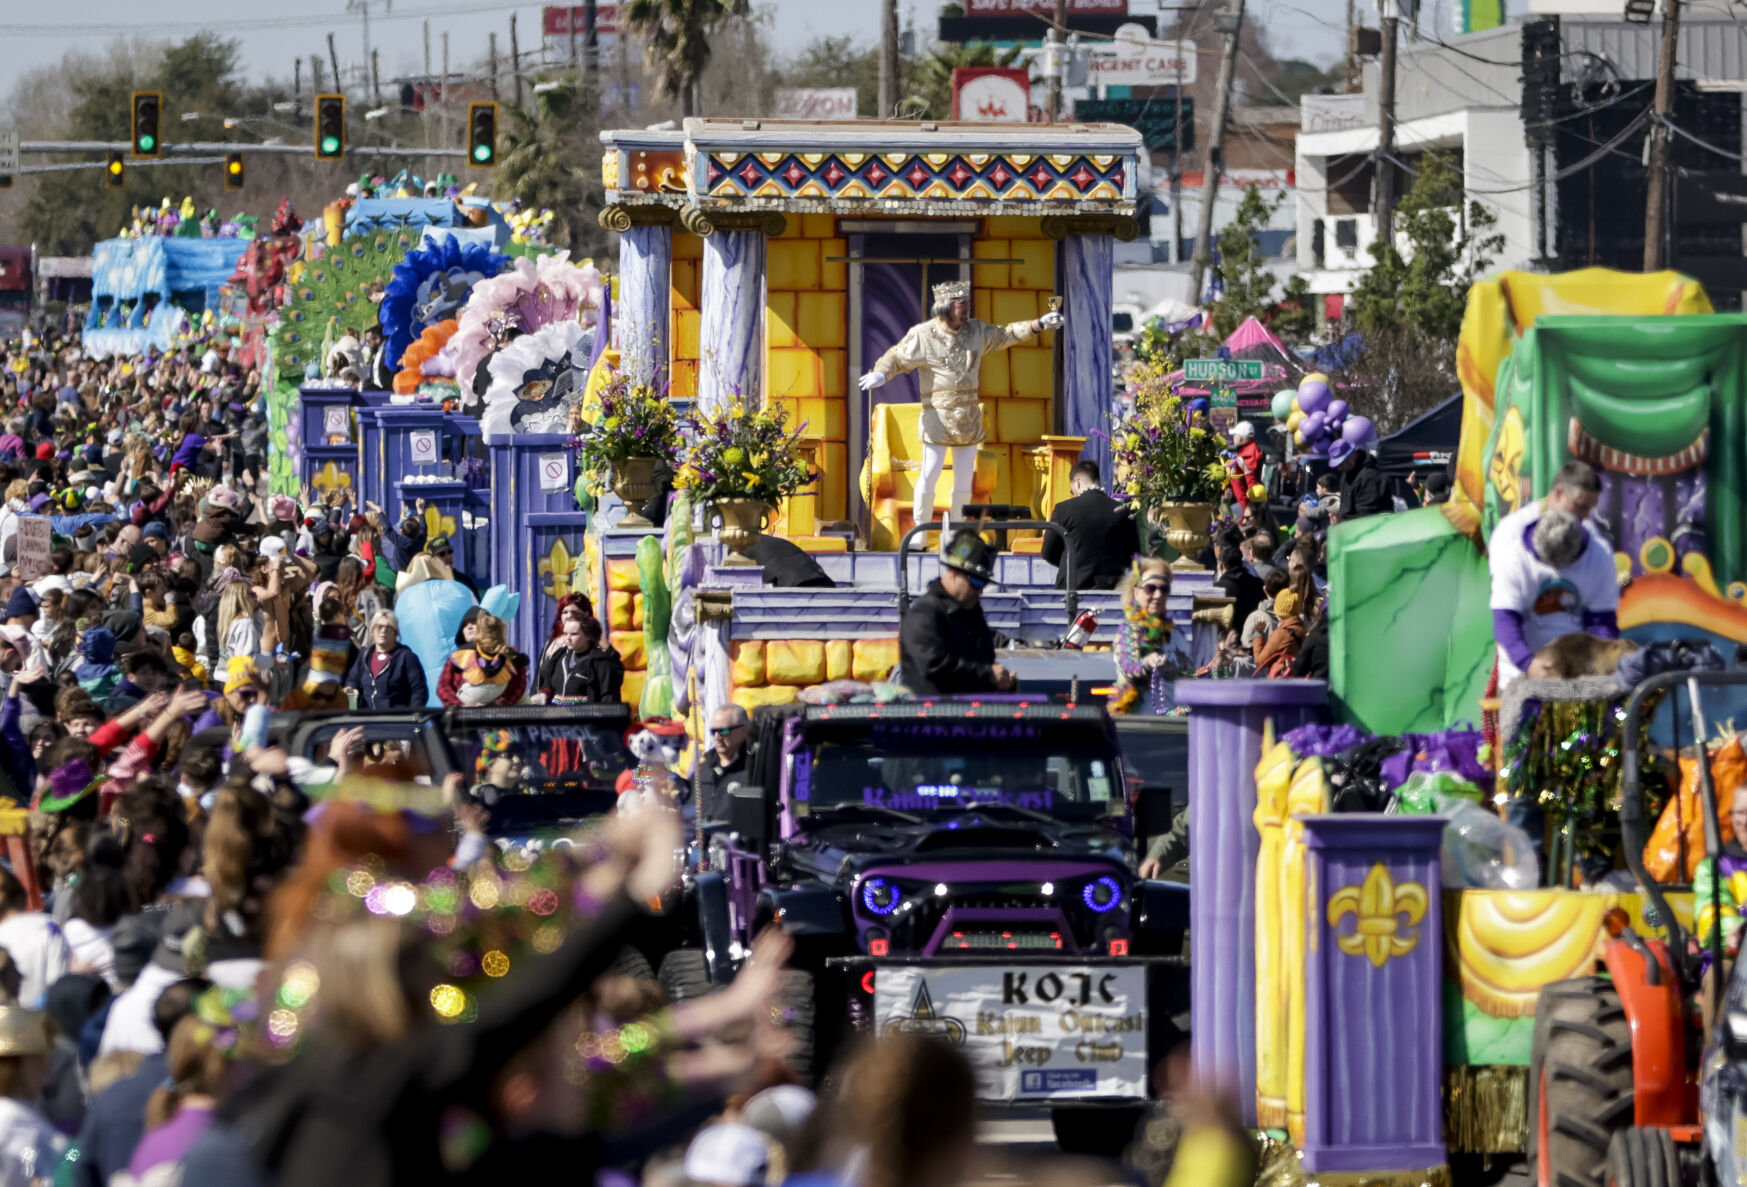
(881, 896)
(1102, 895)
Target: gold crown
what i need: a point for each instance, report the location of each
(952, 290)
(22, 1032)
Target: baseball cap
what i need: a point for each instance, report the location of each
(272, 546)
(730, 1153)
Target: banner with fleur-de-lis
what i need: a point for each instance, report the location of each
(1373, 1050)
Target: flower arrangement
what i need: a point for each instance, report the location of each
(1166, 453)
(743, 454)
(632, 421)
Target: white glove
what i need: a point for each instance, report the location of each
(1052, 320)
(872, 380)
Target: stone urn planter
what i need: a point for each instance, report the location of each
(743, 522)
(1188, 528)
(633, 480)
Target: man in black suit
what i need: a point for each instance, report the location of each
(1100, 533)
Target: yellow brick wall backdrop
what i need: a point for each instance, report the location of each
(807, 347)
(1018, 386)
(776, 671)
(688, 259)
(621, 616)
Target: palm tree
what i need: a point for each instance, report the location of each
(544, 163)
(930, 92)
(676, 33)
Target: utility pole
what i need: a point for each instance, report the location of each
(315, 72)
(1352, 61)
(1386, 125)
(1177, 165)
(1231, 24)
(445, 108)
(570, 25)
(888, 58)
(334, 60)
(515, 60)
(1656, 205)
(491, 42)
(375, 79)
(297, 81)
(1057, 33)
(591, 43)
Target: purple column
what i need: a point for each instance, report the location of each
(536, 529)
(645, 293)
(1373, 1052)
(1226, 721)
(731, 307)
(1088, 269)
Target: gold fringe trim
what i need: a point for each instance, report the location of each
(1277, 1166)
(1486, 1109)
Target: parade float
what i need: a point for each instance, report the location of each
(161, 278)
(1383, 1007)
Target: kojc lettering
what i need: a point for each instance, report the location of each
(1072, 989)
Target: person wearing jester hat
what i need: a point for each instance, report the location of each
(947, 351)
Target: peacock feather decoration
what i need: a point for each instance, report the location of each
(431, 285)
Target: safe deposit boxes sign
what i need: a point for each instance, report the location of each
(1033, 1031)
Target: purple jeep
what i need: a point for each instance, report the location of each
(962, 868)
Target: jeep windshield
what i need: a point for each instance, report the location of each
(541, 775)
(924, 766)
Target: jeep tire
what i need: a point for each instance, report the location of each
(683, 975)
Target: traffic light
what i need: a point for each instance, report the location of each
(234, 176)
(330, 127)
(481, 135)
(147, 107)
(117, 171)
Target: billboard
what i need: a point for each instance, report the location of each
(991, 94)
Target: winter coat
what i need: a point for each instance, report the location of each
(946, 647)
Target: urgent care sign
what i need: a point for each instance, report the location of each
(1045, 8)
(1134, 59)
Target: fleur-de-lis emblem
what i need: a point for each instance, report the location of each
(438, 524)
(556, 567)
(1384, 916)
(331, 477)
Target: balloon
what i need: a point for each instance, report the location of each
(1359, 430)
(1312, 426)
(430, 613)
(1297, 437)
(1294, 419)
(1313, 395)
(1282, 405)
(1313, 377)
(1336, 411)
(1200, 404)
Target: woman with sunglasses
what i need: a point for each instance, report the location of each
(1147, 657)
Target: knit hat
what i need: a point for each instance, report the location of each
(156, 528)
(283, 508)
(21, 603)
(1286, 603)
(492, 743)
(240, 672)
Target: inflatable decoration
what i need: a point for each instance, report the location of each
(533, 294)
(431, 285)
(430, 613)
(1282, 405)
(536, 380)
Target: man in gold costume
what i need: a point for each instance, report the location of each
(948, 351)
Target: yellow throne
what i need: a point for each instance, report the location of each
(893, 465)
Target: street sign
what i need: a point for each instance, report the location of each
(1225, 397)
(1155, 119)
(1222, 370)
(1134, 59)
(8, 150)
